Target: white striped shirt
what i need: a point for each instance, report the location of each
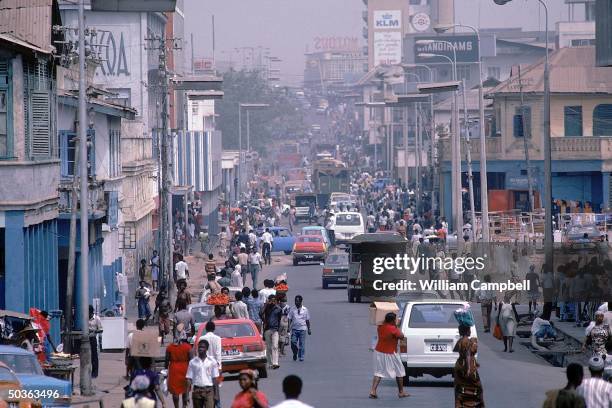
(596, 392)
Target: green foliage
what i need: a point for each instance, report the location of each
(267, 126)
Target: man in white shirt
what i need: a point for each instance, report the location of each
(292, 388)
(597, 392)
(266, 247)
(252, 239)
(299, 324)
(201, 375)
(181, 269)
(239, 308)
(267, 290)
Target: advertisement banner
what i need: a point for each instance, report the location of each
(466, 47)
(387, 20)
(387, 48)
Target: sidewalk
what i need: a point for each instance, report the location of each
(109, 385)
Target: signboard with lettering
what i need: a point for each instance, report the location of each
(421, 22)
(349, 44)
(387, 48)
(387, 20)
(466, 47)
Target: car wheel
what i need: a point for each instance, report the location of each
(358, 299)
(295, 262)
(263, 372)
(287, 252)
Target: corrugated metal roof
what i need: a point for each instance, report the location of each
(471, 97)
(28, 21)
(572, 70)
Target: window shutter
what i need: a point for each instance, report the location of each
(41, 135)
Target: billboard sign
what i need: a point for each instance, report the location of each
(466, 47)
(421, 22)
(348, 44)
(388, 20)
(387, 48)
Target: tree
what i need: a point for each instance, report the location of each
(267, 126)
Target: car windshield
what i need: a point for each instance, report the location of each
(305, 201)
(7, 376)
(22, 363)
(348, 219)
(433, 316)
(312, 232)
(202, 313)
(337, 259)
(234, 330)
(309, 238)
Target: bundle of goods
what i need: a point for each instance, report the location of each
(218, 299)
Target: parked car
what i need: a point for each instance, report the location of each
(283, 239)
(309, 248)
(242, 346)
(431, 334)
(51, 391)
(348, 225)
(12, 394)
(317, 230)
(335, 269)
(201, 312)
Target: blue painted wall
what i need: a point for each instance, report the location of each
(32, 267)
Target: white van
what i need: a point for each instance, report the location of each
(348, 225)
(431, 332)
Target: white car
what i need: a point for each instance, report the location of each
(431, 334)
(348, 225)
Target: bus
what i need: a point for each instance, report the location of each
(289, 155)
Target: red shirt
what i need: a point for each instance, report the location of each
(388, 335)
(244, 399)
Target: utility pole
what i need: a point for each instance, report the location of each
(417, 157)
(526, 133)
(85, 354)
(74, 199)
(165, 193)
(469, 161)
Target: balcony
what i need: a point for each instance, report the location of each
(581, 148)
(97, 205)
(494, 149)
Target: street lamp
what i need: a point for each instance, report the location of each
(247, 106)
(548, 237)
(484, 187)
(457, 198)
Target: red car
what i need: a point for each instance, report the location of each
(242, 346)
(309, 248)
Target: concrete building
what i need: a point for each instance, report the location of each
(581, 108)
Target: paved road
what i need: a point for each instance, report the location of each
(338, 367)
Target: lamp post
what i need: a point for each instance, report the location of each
(457, 199)
(548, 236)
(417, 149)
(247, 107)
(484, 186)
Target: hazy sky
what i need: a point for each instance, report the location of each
(288, 26)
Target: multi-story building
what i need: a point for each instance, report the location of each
(29, 162)
(581, 107)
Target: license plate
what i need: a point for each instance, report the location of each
(232, 352)
(342, 278)
(308, 256)
(438, 347)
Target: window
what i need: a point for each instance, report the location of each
(582, 42)
(6, 134)
(494, 72)
(463, 72)
(68, 154)
(602, 120)
(572, 117)
(284, 233)
(522, 122)
(348, 219)
(37, 109)
(115, 152)
(433, 316)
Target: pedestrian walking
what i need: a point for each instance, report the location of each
(142, 270)
(299, 324)
(596, 391)
(163, 308)
(387, 362)
(239, 308)
(271, 317)
(255, 265)
(214, 351)
(266, 247)
(182, 295)
(292, 388)
(567, 397)
(267, 290)
(184, 317)
(237, 277)
(153, 391)
(254, 306)
(130, 362)
(598, 333)
(243, 261)
(95, 329)
(142, 298)
(201, 372)
(534, 288)
(154, 264)
(139, 389)
(178, 355)
(283, 331)
(468, 388)
(181, 269)
(507, 321)
(210, 266)
(487, 297)
(250, 396)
